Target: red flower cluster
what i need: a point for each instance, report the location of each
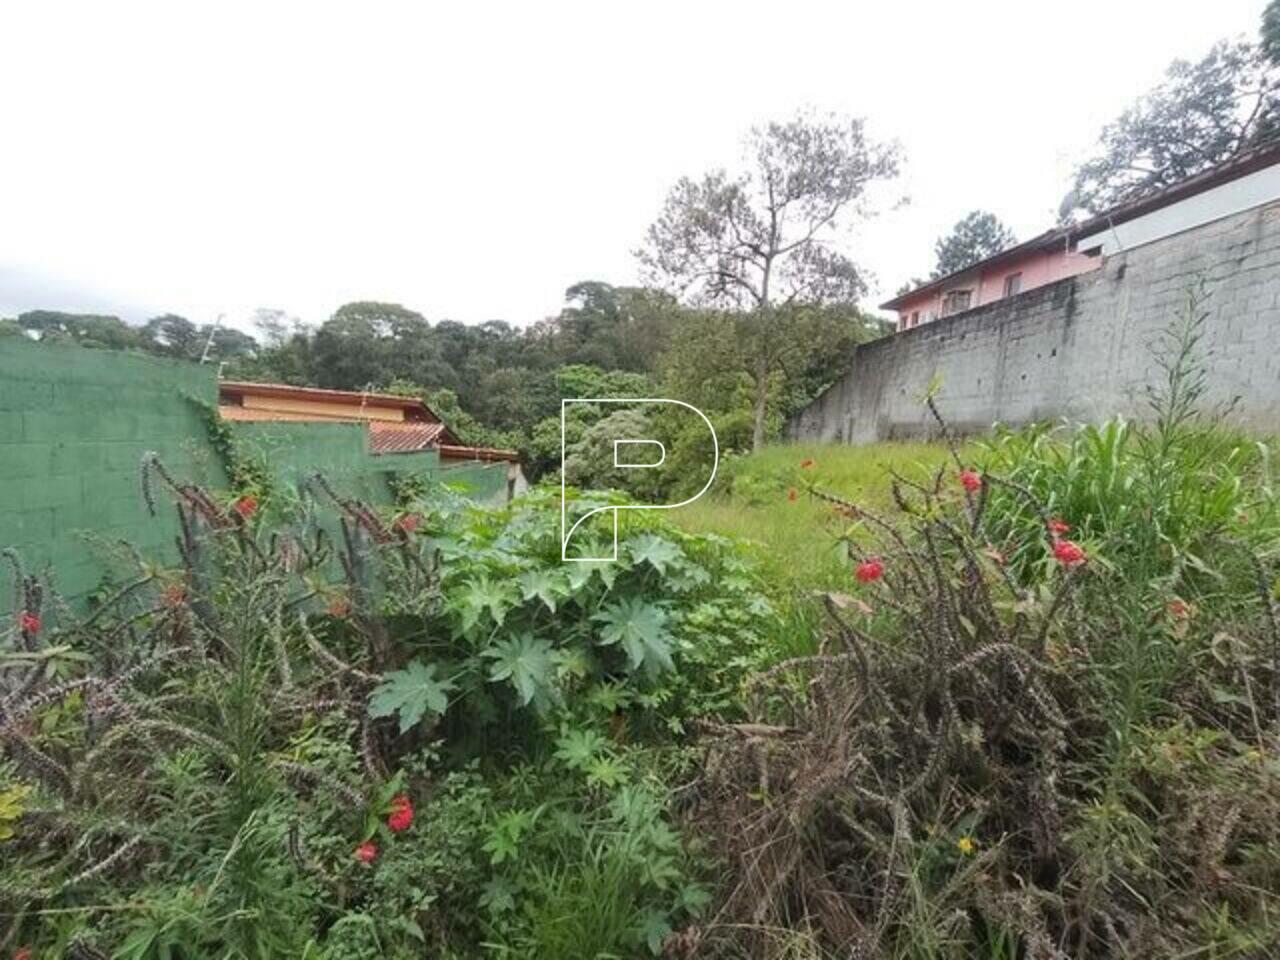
(23, 953)
(408, 522)
(29, 622)
(367, 852)
(806, 464)
(970, 480)
(401, 818)
(792, 495)
(1179, 609)
(246, 506)
(869, 570)
(1058, 527)
(174, 596)
(340, 607)
(1067, 553)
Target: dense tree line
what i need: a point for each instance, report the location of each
(168, 335)
(498, 384)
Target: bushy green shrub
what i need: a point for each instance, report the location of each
(1154, 497)
(247, 757)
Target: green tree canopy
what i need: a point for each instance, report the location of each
(1202, 114)
(975, 237)
(1271, 31)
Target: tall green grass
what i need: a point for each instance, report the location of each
(796, 540)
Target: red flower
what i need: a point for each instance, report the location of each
(408, 522)
(970, 480)
(23, 953)
(791, 494)
(806, 464)
(367, 852)
(1058, 527)
(1179, 609)
(174, 595)
(246, 506)
(869, 570)
(1067, 553)
(340, 607)
(30, 622)
(401, 818)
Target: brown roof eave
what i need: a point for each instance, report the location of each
(1050, 238)
(1242, 165)
(323, 395)
(1233, 169)
(459, 452)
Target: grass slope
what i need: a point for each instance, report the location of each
(795, 538)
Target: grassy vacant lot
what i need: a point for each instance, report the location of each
(796, 540)
(1043, 723)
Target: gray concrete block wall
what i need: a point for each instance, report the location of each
(1080, 349)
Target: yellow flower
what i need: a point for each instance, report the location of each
(1255, 755)
(966, 845)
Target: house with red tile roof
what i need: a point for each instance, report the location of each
(395, 424)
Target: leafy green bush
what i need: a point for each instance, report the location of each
(246, 757)
(1155, 497)
(654, 637)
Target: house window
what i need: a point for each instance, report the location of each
(915, 318)
(956, 300)
(1012, 284)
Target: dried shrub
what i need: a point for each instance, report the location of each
(940, 779)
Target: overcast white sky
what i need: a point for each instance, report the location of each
(472, 160)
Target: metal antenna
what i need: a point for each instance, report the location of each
(209, 343)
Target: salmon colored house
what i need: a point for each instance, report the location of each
(1244, 181)
(395, 424)
(1042, 260)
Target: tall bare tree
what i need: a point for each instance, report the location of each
(762, 240)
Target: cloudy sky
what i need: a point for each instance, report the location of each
(472, 160)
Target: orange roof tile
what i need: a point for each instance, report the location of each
(405, 437)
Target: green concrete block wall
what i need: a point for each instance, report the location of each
(483, 482)
(293, 452)
(75, 423)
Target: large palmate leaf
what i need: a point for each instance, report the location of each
(580, 572)
(641, 629)
(578, 749)
(481, 595)
(549, 586)
(412, 693)
(655, 551)
(526, 661)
